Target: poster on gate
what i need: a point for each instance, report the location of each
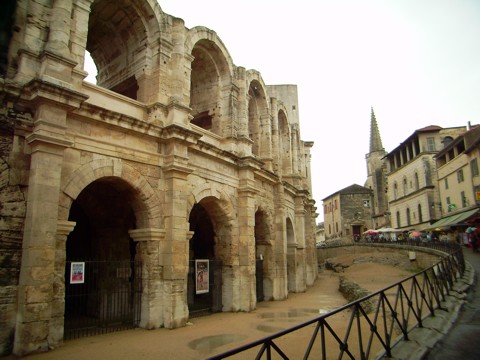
(201, 276)
(77, 273)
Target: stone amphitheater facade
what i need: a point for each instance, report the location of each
(176, 154)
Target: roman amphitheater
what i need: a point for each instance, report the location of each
(176, 185)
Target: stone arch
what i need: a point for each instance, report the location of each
(290, 231)
(219, 207)
(259, 125)
(264, 253)
(291, 254)
(210, 80)
(122, 38)
(221, 210)
(145, 204)
(285, 141)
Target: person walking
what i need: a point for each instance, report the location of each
(474, 241)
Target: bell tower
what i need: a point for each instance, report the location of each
(376, 175)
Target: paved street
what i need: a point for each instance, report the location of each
(463, 341)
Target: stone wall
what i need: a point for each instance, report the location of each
(424, 257)
(176, 154)
(12, 213)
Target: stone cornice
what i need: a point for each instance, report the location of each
(37, 91)
(180, 134)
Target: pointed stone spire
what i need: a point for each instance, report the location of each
(375, 139)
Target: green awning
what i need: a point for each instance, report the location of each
(453, 219)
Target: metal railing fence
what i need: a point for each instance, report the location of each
(375, 323)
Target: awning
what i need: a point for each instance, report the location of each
(453, 219)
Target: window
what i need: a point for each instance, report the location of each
(464, 199)
(474, 167)
(417, 182)
(460, 175)
(405, 186)
(408, 217)
(398, 219)
(450, 206)
(431, 144)
(476, 190)
(366, 203)
(420, 215)
(446, 183)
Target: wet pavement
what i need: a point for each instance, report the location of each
(208, 335)
(211, 335)
(463, 339)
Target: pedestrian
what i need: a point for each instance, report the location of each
(474, 240)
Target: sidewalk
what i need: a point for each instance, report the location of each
(463, 339)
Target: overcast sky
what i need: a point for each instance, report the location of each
(416, 62)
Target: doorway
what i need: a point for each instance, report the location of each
(102, 278)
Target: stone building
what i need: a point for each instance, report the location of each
(413, 195)
(347, 212)
(459, 180)
(178, 183)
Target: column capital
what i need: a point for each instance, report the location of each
(147, 234)
(65, 227)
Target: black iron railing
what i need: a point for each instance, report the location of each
(375, 323)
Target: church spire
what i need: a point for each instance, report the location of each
(375, 139)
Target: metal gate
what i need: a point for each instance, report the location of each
(207, 302)
(101, 297)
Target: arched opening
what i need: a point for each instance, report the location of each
(285, 143)
(291, 256)
(118, 42)
(263, 258)
(254, 111)
(7, 20)
(209, 71)
(102, 280)
(204, 285)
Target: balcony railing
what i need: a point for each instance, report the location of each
(369, 326)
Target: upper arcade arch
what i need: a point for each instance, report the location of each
(210, 81)
(259, 124)
(123, 40)
(285, 142)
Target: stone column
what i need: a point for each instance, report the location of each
(148, 252)
(35, 291)
(280, 248)
(60, 28)
(295, 154)
(175, 254)
(47, 143)
(246, 289)
(55, 337)
(266, 141)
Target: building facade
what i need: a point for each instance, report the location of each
(459, 179)
(413, 195)
(347, 213)
(177, 160)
